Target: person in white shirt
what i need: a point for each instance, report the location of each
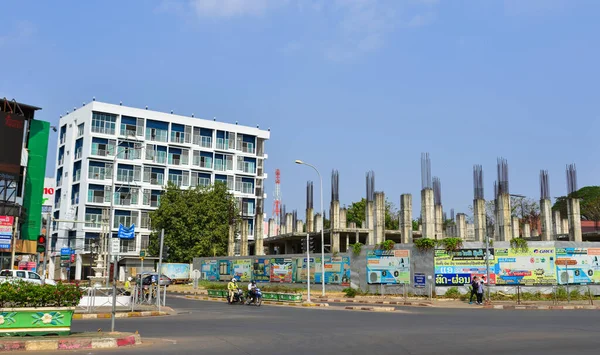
(251, 287)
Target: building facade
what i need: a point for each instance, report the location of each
(141, 150)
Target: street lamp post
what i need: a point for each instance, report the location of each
(322, 229)
(110, 227)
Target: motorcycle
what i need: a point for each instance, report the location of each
(256, 299)
(238, 296)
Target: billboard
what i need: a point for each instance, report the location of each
(242, 269)
(6, 231)
(282, 270)
(261, 270)
(534, 266)
(337, 270)
(210, 270)
(459, 267)
(388, 267)
(578, 265)
(176, 271)
(11, 136)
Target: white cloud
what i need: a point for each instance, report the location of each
(231, 8)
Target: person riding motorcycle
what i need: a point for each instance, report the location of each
(232, 287)
(251, 287)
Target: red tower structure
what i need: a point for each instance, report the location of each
(277, 201)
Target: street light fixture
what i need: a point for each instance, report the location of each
(322, 229)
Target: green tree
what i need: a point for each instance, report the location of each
(356, 213)
(589, 202)
(196, 221)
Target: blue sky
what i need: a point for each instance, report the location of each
(353, 85)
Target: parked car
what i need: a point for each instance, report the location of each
(148, 277)
(7, 275)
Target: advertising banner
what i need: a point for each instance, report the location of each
(210, 270)
(388, 267)
(337, 270)
(242, 269)
(458, 268)
(261, 270)
(11, 136)
(6, 231)
(281, 270)
(176, 271)
(578, 265)
(126, 232)
(534, 266)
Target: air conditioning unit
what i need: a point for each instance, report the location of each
(375, 277)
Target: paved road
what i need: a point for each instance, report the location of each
(218, 328)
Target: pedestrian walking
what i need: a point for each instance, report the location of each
(480, 293)
(473, 289)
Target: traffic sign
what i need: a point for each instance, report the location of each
(420, 280)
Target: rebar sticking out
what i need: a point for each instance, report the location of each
(370, 186)
(437, 191)
(425, 171)
(478, 182)
(544, 185)
(335, 185)
(571, 179)
(503, 176)
(309, 195)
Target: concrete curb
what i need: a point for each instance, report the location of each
(69, 343)
(543, 307)
(399, 303)
(372, 309)
(274, 303)
(119, 315)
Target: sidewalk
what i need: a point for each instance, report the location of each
(81, 341)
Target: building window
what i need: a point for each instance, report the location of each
(80, 130)
(127, 245)
(145, 220)
(104, 123)
(145, 242)
(93, 217)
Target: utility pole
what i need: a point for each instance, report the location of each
(14, 242)
(308, 267)
(46, 256)
(160, 255)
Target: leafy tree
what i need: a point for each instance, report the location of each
(589, 203)
(356, 213)
(415, 224)
(196, 221)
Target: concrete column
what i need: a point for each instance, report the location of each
(356, 237)
(504, 220)
(231, 241)
(310, 224)
(406, 218)
(244, 239)
(352, 225)
(343, 223)
(78, 266)
(334, 215)
(289, 223)
(271, 230)
(515, 227)
(574, 220)
(564, 226)
(546, 218)
(379, 214)
(479, 219)
(438, 213)
(318, 221)
(370, 222)
(556, 224)
(259, 248)
(427, 213)
(461, 225)
(347, 242)
(299, 226)
(526, 230)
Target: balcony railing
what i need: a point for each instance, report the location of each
(178, 137)
(158, 135)
(78, 153)
(127, 131)
(247, 188)
(125, 176)
(219, 165)
(104, 130)
(99, 173)
(93, 220)
(223, 144)
(61, 160)
(248, 148)
(154, 202)
(63, 138)
(77, 176)
(101, 151)
(96, 198)
(174, 161)
(246, 167)
(59, 183)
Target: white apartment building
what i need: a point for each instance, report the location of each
(92, 151)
